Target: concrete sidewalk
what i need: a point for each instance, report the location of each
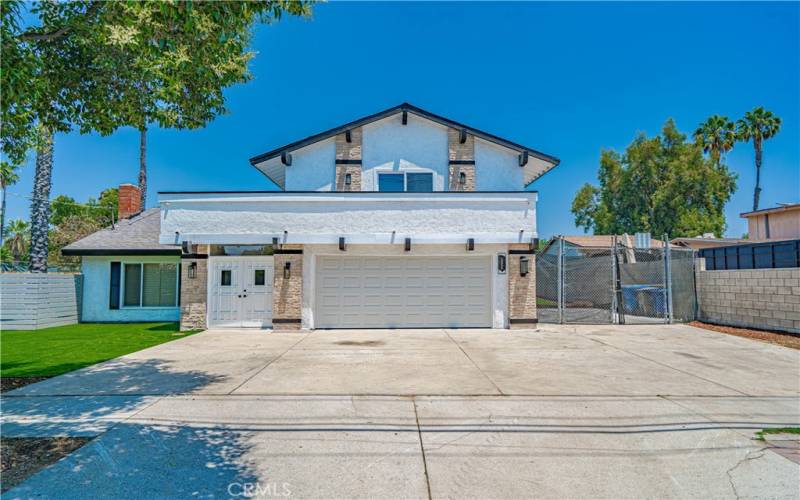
(602, 412)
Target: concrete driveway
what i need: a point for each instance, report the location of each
(561, 411)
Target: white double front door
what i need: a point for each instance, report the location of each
(240, 292)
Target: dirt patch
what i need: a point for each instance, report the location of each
(11, 383)
(23, 457)
(362, 343)
(778, 338)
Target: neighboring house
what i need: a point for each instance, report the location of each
(602, 241)
(400, 219)
(706, 241)
(779, 223)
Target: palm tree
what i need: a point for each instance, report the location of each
(757, 125)
(8, 177)
(716, 136)
(19, 238)
(40, 203)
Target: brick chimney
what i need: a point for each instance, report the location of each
(129, 202)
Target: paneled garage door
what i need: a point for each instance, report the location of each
(407, 292)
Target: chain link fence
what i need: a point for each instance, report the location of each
(615, 284)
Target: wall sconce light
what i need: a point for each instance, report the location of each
(287, 270)
(347, 136)
(408, 245)
(348, 179)
(186, 246)
(470, 244)
(501, 263)
(523, 266)
(462, 178)
(462, 136)
(275, 244)
(192, 271)
(342, 246)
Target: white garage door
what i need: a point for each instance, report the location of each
(408, 292)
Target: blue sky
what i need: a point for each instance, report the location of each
(566, 78)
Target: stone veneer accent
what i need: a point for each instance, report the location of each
(521, 290)
(458, 152)
(287, 294)
(767, 299)
(348, 151)
(194, 292)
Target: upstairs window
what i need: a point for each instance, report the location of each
(412, 182)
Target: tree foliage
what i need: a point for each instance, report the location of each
(717, 136)
(103, 65)
(661, 185)
(758, 125)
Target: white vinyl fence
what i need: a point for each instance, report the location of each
(29, 301)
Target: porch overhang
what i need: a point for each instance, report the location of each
(361, 218)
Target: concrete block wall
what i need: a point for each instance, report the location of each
(766, 299)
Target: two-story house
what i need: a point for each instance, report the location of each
(401, 219)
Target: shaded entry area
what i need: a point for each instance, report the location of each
(616, 284)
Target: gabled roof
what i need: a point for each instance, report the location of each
(409, 108)
(135, 236)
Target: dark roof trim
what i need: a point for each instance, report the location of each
(119, 252)
(392, 111)
(763, 211)
(390, 193)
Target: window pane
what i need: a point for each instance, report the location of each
(241, 250)
(169, 279)
(259, 277)
(151, 285)
(392, 183)
(419, 183)
(133, 275)
(225, 278)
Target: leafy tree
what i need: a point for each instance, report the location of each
(102, 65)
(70, 229)
(758, 125)
(18, 239)
(168, 63)
(717, 136)
(661, 185)
(102, 211)
(8, 177)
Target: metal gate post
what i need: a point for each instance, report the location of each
(614, 318)
(560, 280)
(667, 282)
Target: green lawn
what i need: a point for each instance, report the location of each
(53, 351)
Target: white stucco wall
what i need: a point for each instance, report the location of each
(419, 146)
(361, 218)
(313, 167)
(499, 281)
(497, 168)
(96, 287)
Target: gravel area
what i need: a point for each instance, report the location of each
(11, 383)
(778, 338)
(24, 457)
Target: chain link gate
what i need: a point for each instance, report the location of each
(615, 284)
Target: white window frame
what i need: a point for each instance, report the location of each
(403, 172)
(141, 285)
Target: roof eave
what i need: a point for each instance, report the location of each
(86, 252)
(392, 111)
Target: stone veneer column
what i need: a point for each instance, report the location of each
(462, 160)
(287, 294)
(521, 289)
(348, 160)
(194, 292)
